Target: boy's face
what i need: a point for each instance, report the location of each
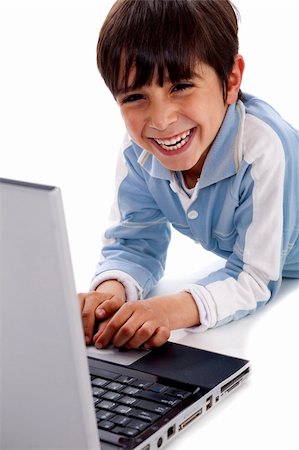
(178, 122)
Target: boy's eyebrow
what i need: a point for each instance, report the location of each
(125, 90)
(122, 90)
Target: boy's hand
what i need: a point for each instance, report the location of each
(135, 324)
(100, 305)
(148, 322)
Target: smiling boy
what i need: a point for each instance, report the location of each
(218, 165)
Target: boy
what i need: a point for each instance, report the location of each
(218, 165)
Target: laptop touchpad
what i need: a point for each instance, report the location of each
(115, 355)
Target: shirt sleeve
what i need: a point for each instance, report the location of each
(135, 246)
(253, 272)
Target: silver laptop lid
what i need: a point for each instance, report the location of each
(46, 397)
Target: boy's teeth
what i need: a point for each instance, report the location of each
(174, 143)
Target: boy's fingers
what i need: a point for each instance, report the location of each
(159, 338)
(108, 307)
(88, 315)
(104, 337)
(142, 335)
(96, 305)
(100, 330)
(81, 298)
(85, 318)
(88, 321)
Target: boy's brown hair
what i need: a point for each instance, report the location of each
(166, 38)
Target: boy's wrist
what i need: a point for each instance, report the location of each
(112, 286)
(179, 308)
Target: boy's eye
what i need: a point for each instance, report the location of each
(132, 98)
(181, 87)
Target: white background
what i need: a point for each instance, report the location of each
(60, 126)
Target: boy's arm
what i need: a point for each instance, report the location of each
(265, 225)
(135, 246)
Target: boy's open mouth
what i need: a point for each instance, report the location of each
(176, 142)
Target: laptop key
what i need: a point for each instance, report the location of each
(122, 409)
(115, 386)
(106, 404)
(127, 400)
(104, 415)
(95, 401)
(99, 382)
(178, 393)
(142, 384)
(120, 420)
(138, 424)
(130, 432)
(148, 416)
(169, 401)
(110, 395)
(126, 379)
(130, 390)
(151, 406)
(105, 425)
(97, 392)
(157, 387)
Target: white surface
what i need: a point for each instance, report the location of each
(59, 125)
(264, 412)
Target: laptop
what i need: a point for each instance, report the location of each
(55, 392)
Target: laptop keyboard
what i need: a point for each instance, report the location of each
(127, 406)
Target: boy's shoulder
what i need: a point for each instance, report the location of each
(266, 113)
(266, 133)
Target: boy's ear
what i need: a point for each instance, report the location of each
(234, 81)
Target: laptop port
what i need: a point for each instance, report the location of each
(190, 419)
(209, 402)
(170, 431)
(234, 382)
(160, 442)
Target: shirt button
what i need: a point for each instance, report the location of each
(192, 214)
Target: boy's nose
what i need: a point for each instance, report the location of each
(161, 116)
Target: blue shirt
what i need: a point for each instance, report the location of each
(244, 208)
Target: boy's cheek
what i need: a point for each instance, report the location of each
(133, 124)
